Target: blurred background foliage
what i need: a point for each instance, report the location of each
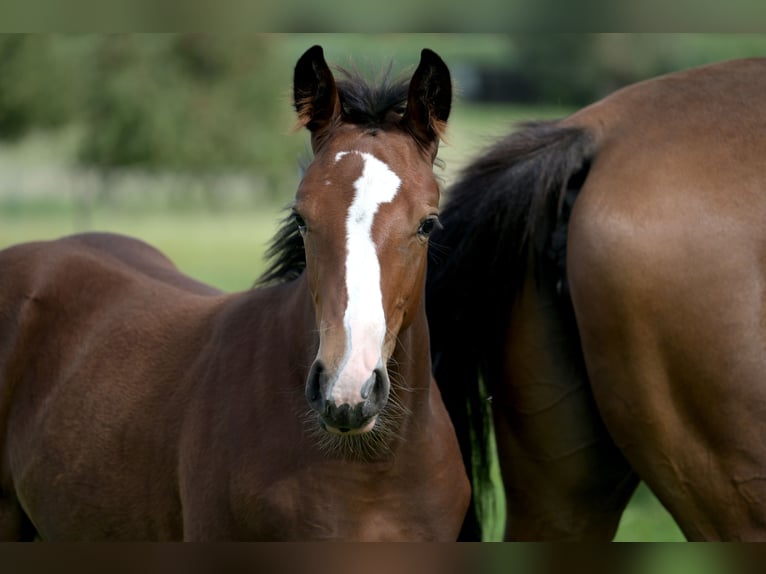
(211, 108)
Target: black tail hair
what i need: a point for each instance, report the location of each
(508, 204)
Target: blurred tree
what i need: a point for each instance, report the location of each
(557, 68)
(195, 103)
(577, 69)
(212, 105)
(36, 89)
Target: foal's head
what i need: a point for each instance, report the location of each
(365, 208)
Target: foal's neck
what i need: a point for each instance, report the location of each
(410, 373)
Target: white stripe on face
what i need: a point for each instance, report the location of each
(364, 319)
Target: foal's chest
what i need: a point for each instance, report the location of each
(316, 508)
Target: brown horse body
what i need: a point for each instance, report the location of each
(137, 403)
(622, 335)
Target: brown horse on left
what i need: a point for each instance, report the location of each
(137, 403)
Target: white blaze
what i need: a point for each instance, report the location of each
(364, 319)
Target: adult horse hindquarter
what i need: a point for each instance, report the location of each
(140, 404)
(605, 273)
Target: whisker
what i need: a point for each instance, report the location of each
(372, 445)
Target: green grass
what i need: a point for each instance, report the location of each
(646, 520)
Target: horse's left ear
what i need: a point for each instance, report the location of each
(315, 93)
(428, 101)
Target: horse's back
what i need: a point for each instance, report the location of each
(70, 395)
(143, 258)
(666, 264)
(724, 96)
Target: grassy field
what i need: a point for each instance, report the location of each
(225, 247)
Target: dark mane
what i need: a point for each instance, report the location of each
(511, 200)
(285, 254)
(373, 106)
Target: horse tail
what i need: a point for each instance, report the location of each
(507, 206)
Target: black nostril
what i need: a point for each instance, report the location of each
(375, 393)
(367, 387)
(314, 386)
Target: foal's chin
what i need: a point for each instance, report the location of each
(345, 431)
(368, 443)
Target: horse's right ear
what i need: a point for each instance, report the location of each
(314, 92)
(429, 101)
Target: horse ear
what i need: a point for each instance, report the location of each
(314, 91)
(429, 100)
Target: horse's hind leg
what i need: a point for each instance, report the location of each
(564, 478)
(14, 523)
(697, 440)
(674, 340)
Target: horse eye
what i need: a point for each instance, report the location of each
(428, 225)
(300, 222)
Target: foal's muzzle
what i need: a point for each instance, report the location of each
(347, 418)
